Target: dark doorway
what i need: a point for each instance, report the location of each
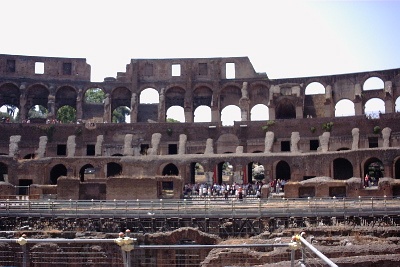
(86, 170)
(3, 172)
(23, 186)
(57, 171)
(282, 170)
(113, 169)
(342, 169)
(170, 169)
(172, 149)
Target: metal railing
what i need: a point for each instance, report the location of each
(207, 207)
(124, 252)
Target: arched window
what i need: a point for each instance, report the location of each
(344, 108)
(259, 112)
(373, 83)
(315, 88)
(230, 114)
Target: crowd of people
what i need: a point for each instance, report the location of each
(224, 190)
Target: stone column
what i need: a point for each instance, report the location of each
(182, 144)
(71, 146)
(98, 149)
(244, 103)
(22, 102)
(51, 106)
(13, 149)
(107, 109)
(328, 112)
(356, 138)
(128, 150)
(79, 112)
(161, 106)
(41, 151)
(386, 137)
(134, 107)
(358, 107)
(215, 114)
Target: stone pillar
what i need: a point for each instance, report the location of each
(13, 149)
(128, 150)
(107, 109)
(271, 112)
(51, 107)
(268, 142)
(388, 168)
(98, 149)
(155, 143)
(386, 137)
(79, 112)
(356, 138)
(215, 114)
(358, 107)
(209, 146)
(41, 151)
(134, 107)
(161, 106)
(182, 144)
(328, 112)
(324, 142)
(71, 146)
(294, 140)
(22, 102)
(244, 103)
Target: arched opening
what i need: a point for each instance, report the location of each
(285, 109)
(37, 95)
(86, 171)
(230, 114)
(374, 107)
(175, 114)
(3, 172)
(57, 171)
(315, 88)
(283, 171)
(66, 96)
(344, 108)
(37, 113)
(149, 96)
(94, 96)
(29, 156)
(121, 115)
(170, 169)
(374, 168)
(202, 114)
(259, 112)
(397, 104)
(66, 114)
(255, 172)
(342, 169)
(197, 174)
(373, 83)
(9, 95)
(113, 169)
(9, 113)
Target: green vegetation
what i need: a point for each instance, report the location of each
(268, 124)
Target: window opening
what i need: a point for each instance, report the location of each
(176, 70)
(230, 71)
(61, 150)
(39, 67)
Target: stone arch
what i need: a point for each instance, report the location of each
(197, 173)
(373, 83)
(57, 171)
(85, 170)
(202, 96)
(66, 95)
(258, 93)
(170, 169)
(175, 96)
(113, 169)
(9, 94)
(259, 112)
(202, 114)
(230, 95)
(3, 172)
(342, 169)
(230, 114)
(176, 113)
(37, 94)
(314, 88)
(250, 167)
(373, 107)
(397, 104)
(282, 170)
(344, 107)
(149, 95)
(120, 96)
(374, 168)
(285, 109)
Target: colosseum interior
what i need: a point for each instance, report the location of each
(302, 136)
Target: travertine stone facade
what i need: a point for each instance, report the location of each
(293, 142)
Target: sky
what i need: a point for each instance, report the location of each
(282, 38)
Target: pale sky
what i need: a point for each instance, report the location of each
(282, 38)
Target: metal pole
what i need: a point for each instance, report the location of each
(317, 252)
